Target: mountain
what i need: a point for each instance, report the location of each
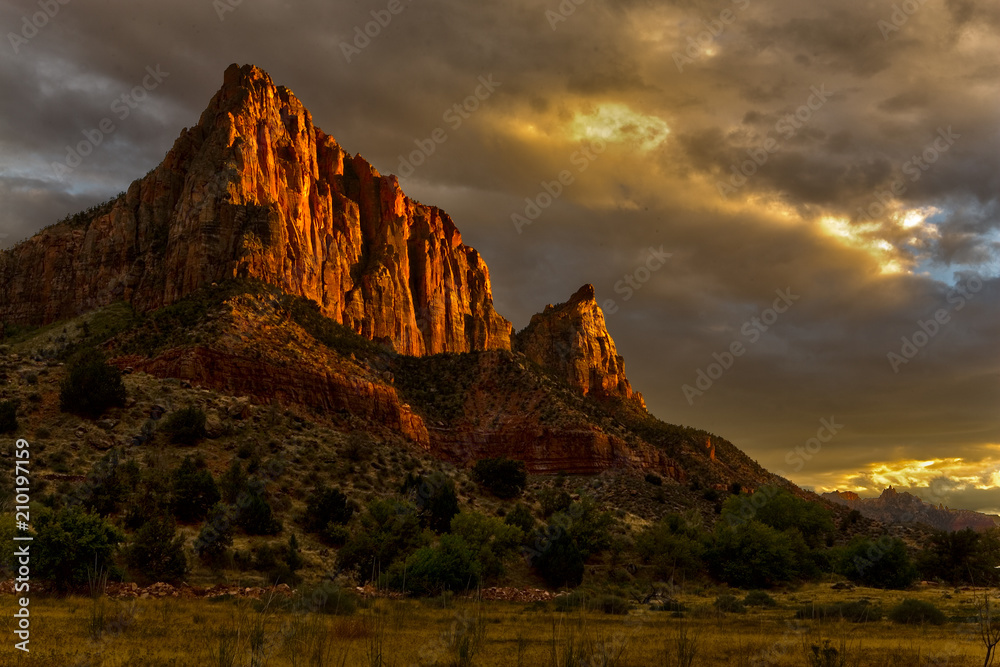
(255, 190)
(894, 507)
(261, 260)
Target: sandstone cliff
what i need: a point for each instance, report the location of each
(256, 190)
(572, 340)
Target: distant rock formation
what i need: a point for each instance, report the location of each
(895, 507)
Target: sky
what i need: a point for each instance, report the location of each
(789, 210)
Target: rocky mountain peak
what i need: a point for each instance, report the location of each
(571, 339)
(256, 191)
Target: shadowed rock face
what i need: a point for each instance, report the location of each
(255, 190)
(572, 340)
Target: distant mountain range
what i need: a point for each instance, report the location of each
(896, 507)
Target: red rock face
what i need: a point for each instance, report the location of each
(255, 190)
(572, 340)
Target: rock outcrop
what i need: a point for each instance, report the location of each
(571, 339)
(901, 507)
(255, 190)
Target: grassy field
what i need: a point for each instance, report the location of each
(100, 632)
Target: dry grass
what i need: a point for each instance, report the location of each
(178, 632)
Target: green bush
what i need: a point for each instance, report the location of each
(503, 477)
(759, 599)
(729, 603)
(156, 552)
(672, 547)
(216, 536)
(8, 416)
(916, 612)
(668, 605)
(233, 482)
(571, 601)
(654, 479)
(194, 491)
(554, 501)
(435, 498)
(492, 541)
(91, 387)
(185, 426)
(753, 555)
(71, 547)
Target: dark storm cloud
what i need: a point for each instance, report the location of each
(611, 68)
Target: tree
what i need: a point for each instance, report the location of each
(492, 541)
(71, 546)
(194, 491)
(157, 551)
(110, 482)
(216, 535)
(435, 498)
(781, 510)
(325, 508)
(754, 555)
(387, 530)
(91, 387)
(672, 547)
(560, 563)
(233, 482)
(521, 517)
(448, 566)
(586, 525)
(881, 564)
(962, 557)
(255, 514)
(503, 477)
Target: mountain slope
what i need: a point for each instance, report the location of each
(901, 507)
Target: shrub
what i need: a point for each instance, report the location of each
(759, 599)
(91, 387)
(612, 604)
(8, 416)
(326, 507)
(571, 601)
(729, 604)
(326, 598)
(672, 547)
(157, 552)
(752, 555)
(70, 546)
(668, 605)
(185, 426)
(916, 612)
(503, 477)
(782, 511)
(587, 525)
(856, 611)
(654, 479)
(553, 501)
(233, 482)
(194, 491)
(110, 483)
